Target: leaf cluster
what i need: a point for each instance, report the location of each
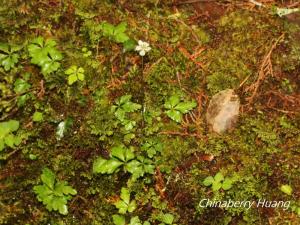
(54, 193)
(218, 181)
(7, 138)
(122, 156)
(44, 54)
(117, 34)
(122, 106)
(124, 204)
(21, 88)
(8, 55)
(176, 108)
(74, 73)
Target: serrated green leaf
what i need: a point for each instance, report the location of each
(119, 220)
(122, 206)
(185, 107)
(219, 177)
(227, 184)
(10, 140)
(80, 76)
(121, 37)
(131, 206)
(208, 181)
(103, 166)
(48, 178)
(174, 115)
(172, 102)
(216, 186)
(4, 47)
(167, 218)
(72, 79)
(131, 107)
(125, 195)
(107, 29)
(21, 86)
(135, 221)
(120, 28)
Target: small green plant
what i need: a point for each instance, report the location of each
(86, 52)
(122, 156)
(120, 220)
(74, 74)
(218, 181)
(44, 54)
(8, 55)
(122, 106)
(54, 193)
(21, 88)
(152, 146)
(7, 136)
(124, 204)
(117, 34)
(176, 108)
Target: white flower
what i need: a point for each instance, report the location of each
(142, 47)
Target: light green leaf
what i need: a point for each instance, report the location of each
(120, 28)
(167, 218)
(219, 177)
(48, 178)
(287, 189)
(125, 195)
(227, 184)
(118, 219)
(21, 86)
(184, 107)
(121, 37)
(10, 140)
(216, 186)
(107, 29)
(80, 76)
(132, 206)
(208, 181)
(122, 206)
(174, 115)
(172, 102)
(103, 166)
(37, 117)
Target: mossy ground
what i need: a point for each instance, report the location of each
(195, 53)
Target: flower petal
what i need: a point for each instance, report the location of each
(138, 48)
(140, 42)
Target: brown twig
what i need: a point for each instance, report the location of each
(266, 69)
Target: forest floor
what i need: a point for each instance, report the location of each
(93, 131)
